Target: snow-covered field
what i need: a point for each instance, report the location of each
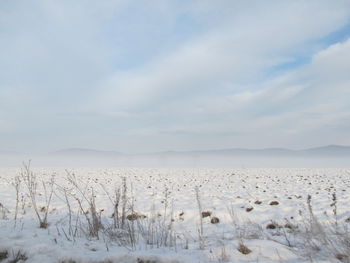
(174, 215)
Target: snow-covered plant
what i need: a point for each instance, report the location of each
(31, 183)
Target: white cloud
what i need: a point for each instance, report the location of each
(161, 68)
(239, 51)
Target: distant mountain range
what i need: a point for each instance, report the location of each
(326, 156)
(325, 151)
(85, 152)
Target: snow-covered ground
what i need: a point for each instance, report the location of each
(277, 215)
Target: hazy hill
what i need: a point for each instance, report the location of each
(85, 152)
(325, 151)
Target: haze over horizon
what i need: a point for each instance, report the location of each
(151, 76)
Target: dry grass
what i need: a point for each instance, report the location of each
(30, 180)
(135, 230)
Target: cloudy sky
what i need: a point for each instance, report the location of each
(138, 76)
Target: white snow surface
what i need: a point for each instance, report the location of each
(226, 193)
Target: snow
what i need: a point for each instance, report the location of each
(168, 197)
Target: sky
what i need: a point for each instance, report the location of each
(155, 75)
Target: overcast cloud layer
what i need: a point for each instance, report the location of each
(138, 76)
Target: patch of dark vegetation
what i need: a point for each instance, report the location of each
(19, 256)
(248, 209)
(214, 220)
(140, 260)
(271, 226)
(290, 226)
(68, 261)
(135, 216)
(244, 249)
(3, 255)
(342, 257)
(206, 214)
